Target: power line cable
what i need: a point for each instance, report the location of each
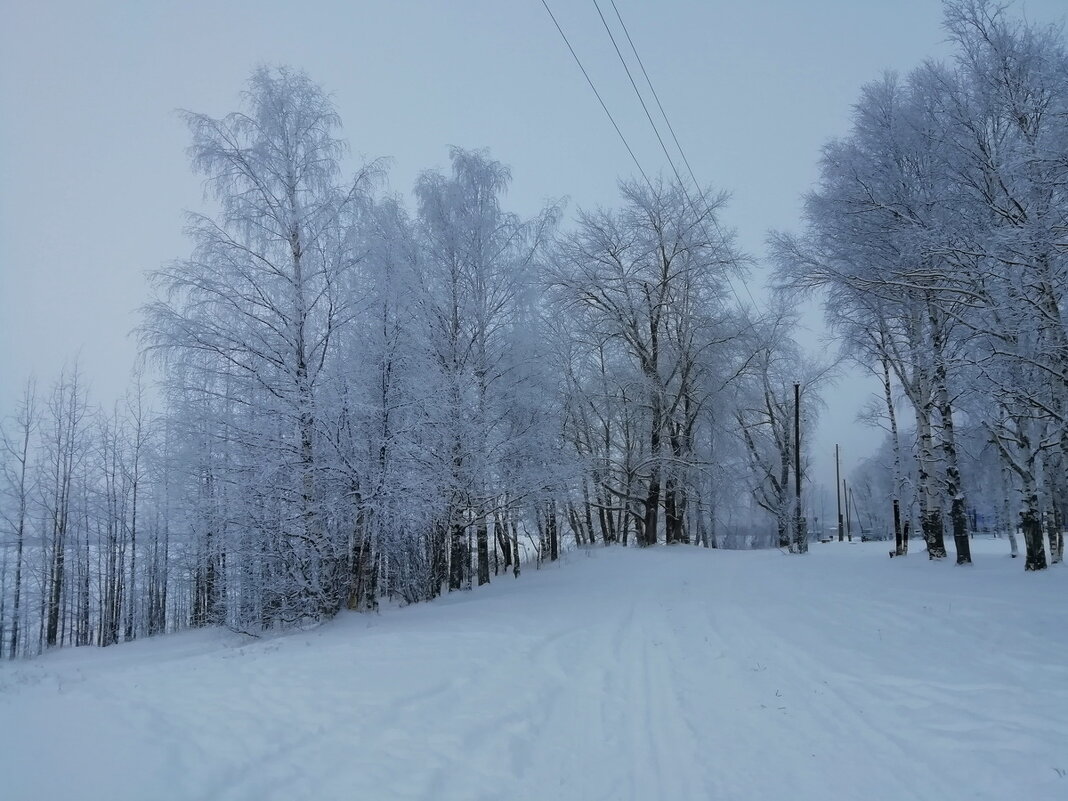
(656, 97)
(634, 85)
(630, 150)
(600, 100)
(707, 211)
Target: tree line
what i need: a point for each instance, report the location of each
(350, 397)
(354, 401)
(938, 233)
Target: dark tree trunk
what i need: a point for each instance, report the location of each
(482, 545)
(681, 533)
(652, 510)
(500, 531)
(457, 556)
(933, 534)
(15, 611)
(439, 559)
(469, 556)
(1031, 524)
(959, 516)
(670, 512)
(1056, 536)
(607, 521)
(552, 532)
(515, 548)
(55, 595)
(899, 540)
(652, 497)
(363, 587)
(575, 522)
(782, 530)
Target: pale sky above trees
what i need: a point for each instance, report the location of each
(94, 175)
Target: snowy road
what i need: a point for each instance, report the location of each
(668, 674)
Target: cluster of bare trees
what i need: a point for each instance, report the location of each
(77, 488)
(780, 381)
(645, 331)
(938, 231)
(358, 380)
(357, 402)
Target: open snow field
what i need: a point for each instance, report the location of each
(674, 673)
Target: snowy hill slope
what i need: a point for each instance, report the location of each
(674, 673)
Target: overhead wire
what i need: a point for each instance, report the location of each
(641, 100)
(707, 211)
(656, 97)
(600, 100)
(604, 106)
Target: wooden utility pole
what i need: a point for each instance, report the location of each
(856, 511)
(848, 527)
(838, 492)
(800, 534)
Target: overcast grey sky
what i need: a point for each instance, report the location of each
(94, 178)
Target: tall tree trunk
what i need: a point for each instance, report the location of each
(456, 554)
(55, 592)
(515, 548)
(1056, 540)
(1008, 522)
(1055, 471)
(552, 531)
(954, 488)
(131, 589)
(587, 508)
(1031, 513)
(901, 544)
(439, 547)
(500, 532)
(931, 519)
(921, 393)
(650, 368)
(784, 500)
(670, 511)
(1031, 524)
(363, 586)
(482, 544)
(26, 421)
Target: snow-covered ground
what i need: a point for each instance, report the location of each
(674, 673)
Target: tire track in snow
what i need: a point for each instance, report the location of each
(663, 674)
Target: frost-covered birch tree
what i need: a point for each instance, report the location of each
(261, 302)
